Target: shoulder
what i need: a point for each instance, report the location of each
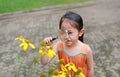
(58, 46)
(87, 48)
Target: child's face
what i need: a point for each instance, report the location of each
(72, 35)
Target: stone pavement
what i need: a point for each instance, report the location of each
(102, 24)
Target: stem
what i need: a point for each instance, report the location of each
(17, 61)
(18, 68)
(32, 68)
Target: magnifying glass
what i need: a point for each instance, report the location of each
(63, 35)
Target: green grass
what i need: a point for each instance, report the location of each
(18, 5)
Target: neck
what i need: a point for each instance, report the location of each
(73, 46)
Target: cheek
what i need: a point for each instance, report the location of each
(75, 37)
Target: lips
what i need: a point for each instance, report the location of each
(68, 42)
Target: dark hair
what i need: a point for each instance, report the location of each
(74, 17)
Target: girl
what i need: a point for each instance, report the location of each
(71, 44)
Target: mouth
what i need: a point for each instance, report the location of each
(67, 42)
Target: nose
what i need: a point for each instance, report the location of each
(67, 37)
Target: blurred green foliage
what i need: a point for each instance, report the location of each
(18, 5)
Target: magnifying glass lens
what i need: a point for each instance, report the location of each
(64, 35)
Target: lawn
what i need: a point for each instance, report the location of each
(18, 5)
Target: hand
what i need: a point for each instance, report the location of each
(48, 40)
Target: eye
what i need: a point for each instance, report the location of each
(69, 33)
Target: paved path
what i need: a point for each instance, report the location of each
(102, 24)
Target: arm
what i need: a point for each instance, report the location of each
(90, 63)
(44, 58)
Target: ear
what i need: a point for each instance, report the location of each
(81, 32)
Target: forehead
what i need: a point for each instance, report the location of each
(68, 24)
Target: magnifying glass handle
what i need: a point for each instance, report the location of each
(54, 38)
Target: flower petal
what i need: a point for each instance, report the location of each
(32, 45)
(50, 53)
(81, 75)
(25, 47)
(63, 68)
(21, 38)
(21, 45)
(41, 52)
(61, 61)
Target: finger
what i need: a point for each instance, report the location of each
(48, 40)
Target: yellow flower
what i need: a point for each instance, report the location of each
(43, 75)
(80, 75)
(63, 68)
(50, 53)
(71, 66)
(46, 50)
(55, 73)
(25, 43)
(20, 38)
(61, 61)
(42, 51)
(79, 70)
(62, 74)
(42, 43)
(55, 76)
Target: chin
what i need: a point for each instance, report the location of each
(68, 44)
